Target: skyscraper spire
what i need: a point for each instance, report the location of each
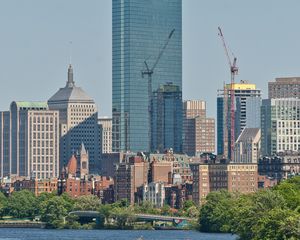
(70, 82)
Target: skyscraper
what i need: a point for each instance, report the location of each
(166, 122)
(198, 130)
(280, 125)
(140, 29)
(247, 112)
(105, 127)
(78, 118)
(29, 139)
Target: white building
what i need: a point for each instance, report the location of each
(280, 125)
(247, 146)
(78, 122)
(154, 193)
(29, 141)
(105, 126)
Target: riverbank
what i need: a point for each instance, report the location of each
(21, 224)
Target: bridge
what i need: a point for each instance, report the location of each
(177, 221)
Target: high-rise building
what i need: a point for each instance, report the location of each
(247, 146)
(166, 121)
(198, 130)
(105, 127)
(34, 135)
(5, 144)
(78, 118)
(285, 88)
(280, 125)
(247, 113)
(140, 29)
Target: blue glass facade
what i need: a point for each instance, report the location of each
(220, 125)
(140, 29)
(167, 119)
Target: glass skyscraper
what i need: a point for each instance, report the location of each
(140, 30)
(166, 119)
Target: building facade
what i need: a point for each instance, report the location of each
(247, 146)
(284, 88)
(215, 176)
(198, 130)
(280, 125)
(5, 144)
(105, 127)
(129, 176)
(34, 140)
(78, 118)
(140, 29)
(154, 193)
(247, 113)
(281, 166)
(166, 121)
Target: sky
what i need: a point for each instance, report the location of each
(35, 47)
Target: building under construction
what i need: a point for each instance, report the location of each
(247, 102)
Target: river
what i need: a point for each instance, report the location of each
(45, 234)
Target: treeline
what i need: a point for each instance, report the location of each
(266, 214)
(54, 210)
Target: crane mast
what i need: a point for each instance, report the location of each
(233, 72)
(149, 72)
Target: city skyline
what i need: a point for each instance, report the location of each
(36, 53)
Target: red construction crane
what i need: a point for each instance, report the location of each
(233, 71)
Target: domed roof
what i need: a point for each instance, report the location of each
(72, 165)
(70, 93)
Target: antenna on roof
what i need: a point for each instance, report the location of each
(70, 52)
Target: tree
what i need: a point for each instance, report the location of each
(3, 204)
(53, 212)
(22, 204)
(216, 214)
(87, 203)
(123, 216)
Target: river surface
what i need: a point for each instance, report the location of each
(45, 234)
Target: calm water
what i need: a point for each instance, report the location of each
(41, 234)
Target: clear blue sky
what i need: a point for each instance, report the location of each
(35, 35)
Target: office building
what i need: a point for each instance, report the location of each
(288, 87)
(280, 125)
(140, 30)
(247, 146)
(34, 139)
(78, 118)
(166, 122)
(5, 146)
(105, 127)
(247, 113)
(198, 130)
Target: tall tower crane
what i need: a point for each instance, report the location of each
(149, 72)
(233, 72)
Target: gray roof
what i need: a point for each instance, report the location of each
(70, 93)
(248, 133)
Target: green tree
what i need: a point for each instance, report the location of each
(22, 204)
(87, 203)
(3, 204)
(216, 214)
(277, 223)
(290, 190)
(54, 211)
(124, 217)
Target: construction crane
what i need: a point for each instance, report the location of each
(233, 72)
(149, 72)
